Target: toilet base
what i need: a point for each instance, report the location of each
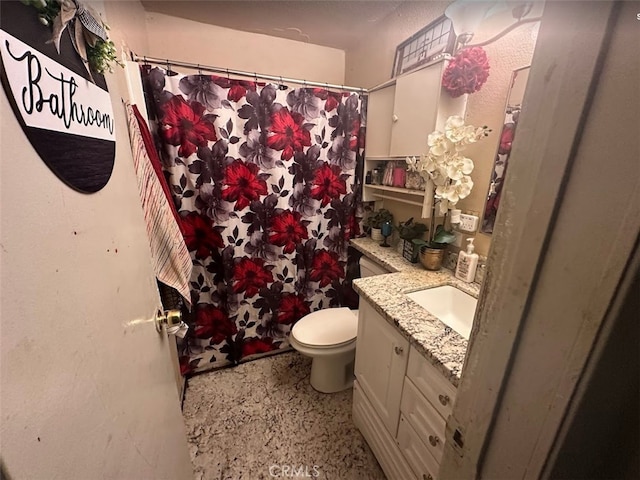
(333, 373)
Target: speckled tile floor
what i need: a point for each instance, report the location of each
(250, 421)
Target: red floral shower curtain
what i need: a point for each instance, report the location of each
(266, 180)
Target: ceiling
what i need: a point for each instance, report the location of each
(338, 24)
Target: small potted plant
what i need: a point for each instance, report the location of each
(432, 251)
(408, 231)
(375, 221)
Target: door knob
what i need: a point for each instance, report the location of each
(169, 319)
(394, 118)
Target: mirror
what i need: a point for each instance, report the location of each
(512, 114)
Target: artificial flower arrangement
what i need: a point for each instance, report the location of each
(466, 72)
(449, 170)
(88, 32)
(445, 164)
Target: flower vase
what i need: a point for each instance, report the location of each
(431, 258)
(376, 234)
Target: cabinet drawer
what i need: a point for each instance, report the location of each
(424, 419)
(421, 461)
(431, 383)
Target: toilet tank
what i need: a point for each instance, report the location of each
(369, 268)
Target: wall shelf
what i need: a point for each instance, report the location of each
(418, 198)
(406, 191)
(398, 199)
(384, 158)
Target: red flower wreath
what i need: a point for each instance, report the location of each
(467, 72)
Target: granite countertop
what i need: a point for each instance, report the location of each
(444, 347)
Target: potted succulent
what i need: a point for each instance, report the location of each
(375, 221)
(408, 231)
(432, 251)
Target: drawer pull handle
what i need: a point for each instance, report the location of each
(444, 399)
(433, 440)
(398, 350)
(427, 476)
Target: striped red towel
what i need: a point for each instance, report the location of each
(171, 259)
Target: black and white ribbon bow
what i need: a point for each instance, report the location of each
(83, 27)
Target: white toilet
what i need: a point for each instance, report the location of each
(329, 337)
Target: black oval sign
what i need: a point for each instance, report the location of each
(67, 118)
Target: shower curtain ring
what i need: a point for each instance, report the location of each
(255, 77)
(145, 60)
(228, 75)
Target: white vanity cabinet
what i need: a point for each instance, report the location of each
(401, 401)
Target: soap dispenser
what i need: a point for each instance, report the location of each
(467, 263)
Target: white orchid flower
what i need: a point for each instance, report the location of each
(445, 205)
(444, 165)
(454, 121)
(463, 186)
(459, 166)
(428, 163)
(438, 178)
(412, 164)
(437, 143)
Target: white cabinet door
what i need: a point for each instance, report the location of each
(382, 444)
(381, 362)
(379, 119)
(415, 107)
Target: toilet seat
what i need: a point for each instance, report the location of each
(328, 328)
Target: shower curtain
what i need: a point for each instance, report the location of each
(267, 182)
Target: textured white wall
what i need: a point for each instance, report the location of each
(82, 396)
(370, 62)
(127, 23)
(486, 107)
(180, 39)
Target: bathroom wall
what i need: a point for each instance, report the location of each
(180, 39)
(82, 395)
(370, 64)
(126, 20)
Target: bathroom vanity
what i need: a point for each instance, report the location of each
(408, 365)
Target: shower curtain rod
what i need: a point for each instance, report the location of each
(229, 71)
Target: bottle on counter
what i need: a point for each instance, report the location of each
(467, 263)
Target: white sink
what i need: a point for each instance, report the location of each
(453, 307)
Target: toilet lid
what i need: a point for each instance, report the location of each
(325, 328)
